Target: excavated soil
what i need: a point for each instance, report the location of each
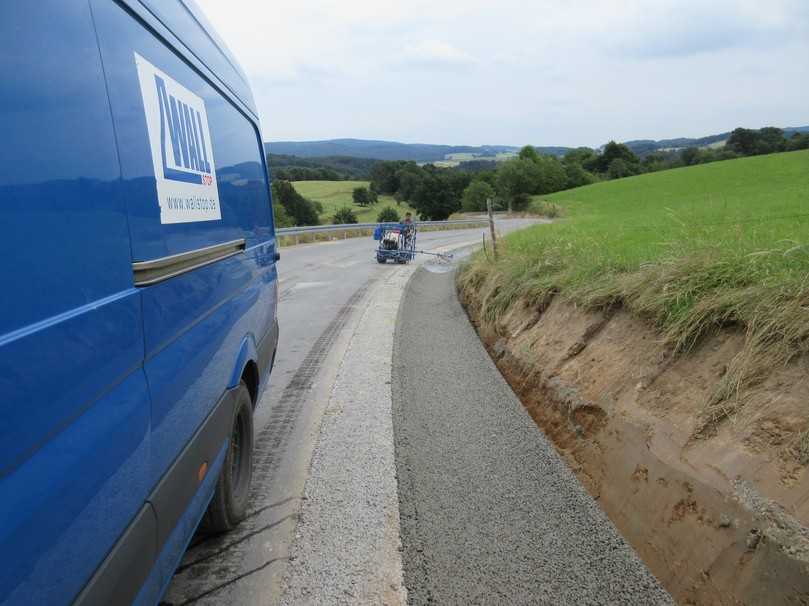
(719, 516)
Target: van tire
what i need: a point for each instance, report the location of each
(229, 504)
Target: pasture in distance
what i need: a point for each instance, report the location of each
(334, 195)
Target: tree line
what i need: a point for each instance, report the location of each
(327, 168)
(742, 142)
(437, 192)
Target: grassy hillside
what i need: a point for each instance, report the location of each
(691, 249)
(334, 195)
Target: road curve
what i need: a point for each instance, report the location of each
(324, 289)
(490, 514)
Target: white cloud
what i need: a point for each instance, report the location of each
(435, 53)
(544, 72)
(668, 29)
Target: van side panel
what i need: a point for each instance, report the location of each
(179, 538)
(238, 158)
(59, 198)
(66, 506)
(194, 323)
(191, 371)
(74, 404)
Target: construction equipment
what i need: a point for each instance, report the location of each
(397, 241)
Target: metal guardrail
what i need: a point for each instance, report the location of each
(294, 231)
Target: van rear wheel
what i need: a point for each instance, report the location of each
(229, 504)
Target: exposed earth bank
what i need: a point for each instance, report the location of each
(719, 515)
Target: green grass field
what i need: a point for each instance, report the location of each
(691, 249)
(334, 195)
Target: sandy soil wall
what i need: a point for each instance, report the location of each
(719, 517)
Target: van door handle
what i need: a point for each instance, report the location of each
(157, 270)
(276, 257)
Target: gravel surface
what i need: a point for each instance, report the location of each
(346, 548)
(490, 514)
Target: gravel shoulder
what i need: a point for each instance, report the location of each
(490, 514)
(346, 548)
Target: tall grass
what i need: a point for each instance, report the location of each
(691, 250)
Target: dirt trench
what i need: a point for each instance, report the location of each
(720, 517)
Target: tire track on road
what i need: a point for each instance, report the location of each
(244, 566)
(220, 559)
(272, 440)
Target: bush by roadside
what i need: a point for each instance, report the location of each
(344, 216)
(388, 215)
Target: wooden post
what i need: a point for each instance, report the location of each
(491, 227)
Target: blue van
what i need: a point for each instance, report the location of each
(138, 308)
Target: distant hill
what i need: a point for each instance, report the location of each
(422, 152)
(380, 150)
(643, 147)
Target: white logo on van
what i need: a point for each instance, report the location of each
(180, 141)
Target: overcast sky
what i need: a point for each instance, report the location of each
(545, 72)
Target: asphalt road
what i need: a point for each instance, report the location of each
(393, 463)
(324, 291)
(490, 514)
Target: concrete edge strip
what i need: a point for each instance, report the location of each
(298, 583)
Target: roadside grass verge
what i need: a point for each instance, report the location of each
(334, 195)
(692, 250)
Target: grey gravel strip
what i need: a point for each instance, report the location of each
(346, 548)
(490, 513)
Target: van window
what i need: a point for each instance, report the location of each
(140, 67)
